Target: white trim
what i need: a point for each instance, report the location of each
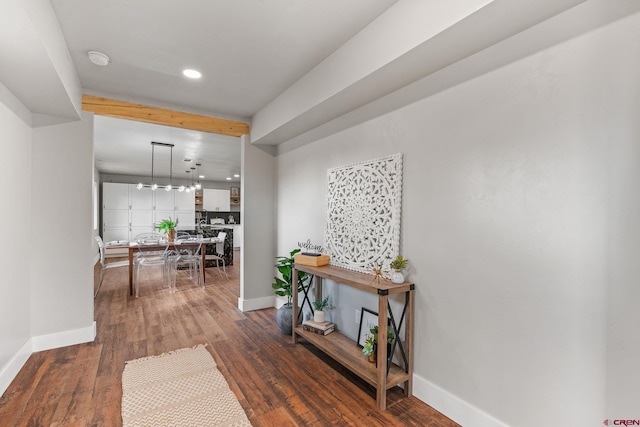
(255, 304)
(41, 343)
(11, 369)
(64, 338)
(452, 406)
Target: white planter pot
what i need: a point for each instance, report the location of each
(318, 316)
(397, 276)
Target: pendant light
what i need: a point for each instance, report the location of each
(198, 185)
(154, 185)
(192, 187)
(170, 186)
(188, 187)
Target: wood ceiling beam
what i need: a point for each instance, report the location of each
(162, 116)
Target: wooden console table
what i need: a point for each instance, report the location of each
(346, 351)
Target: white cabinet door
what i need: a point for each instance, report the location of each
(186, 210)
(185, 201)
(216, 200)
(186, 220)
(115, 196)
(112, 218)
(141, 199)
(115, 225)
(163, 200)
(142, 218)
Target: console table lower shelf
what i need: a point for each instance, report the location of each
(345, 351)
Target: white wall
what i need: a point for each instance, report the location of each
(46, 290)
(15, 141)
(257, 217)
(513, 183)
(621, 130)
(62, 227)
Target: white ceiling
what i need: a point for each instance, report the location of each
(298, 70)
(249, 51)
(123, 147)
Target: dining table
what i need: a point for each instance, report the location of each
(133, 248)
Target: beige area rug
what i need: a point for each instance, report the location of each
(180, 388)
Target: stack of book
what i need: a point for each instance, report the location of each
(320, 328)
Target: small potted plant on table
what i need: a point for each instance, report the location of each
(319, 306)
(398, 265)
(168, 227)
(370, 348)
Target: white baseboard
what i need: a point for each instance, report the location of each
(255, 304)
(41, 343)
(64, 338)
(452, 406)
(11, 369)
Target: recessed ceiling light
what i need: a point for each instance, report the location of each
(98, 58)
(236, 176)
(201, 176)
(228, 178)
(192, 74)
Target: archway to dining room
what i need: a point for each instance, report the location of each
(109, 114)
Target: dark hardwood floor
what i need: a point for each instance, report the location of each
(277, 383)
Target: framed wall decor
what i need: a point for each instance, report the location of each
(368, 320)
(364, 202)
(235, 191)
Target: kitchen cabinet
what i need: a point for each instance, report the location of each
(115, 218)
(164, 200)
(140, 221)
(128, 211)
(216, 200)
(186, 220)
(115, 224)
(184, 201)
(115, 196)
(185, 210)
(115, 211)
(141, 218)
(140, 199)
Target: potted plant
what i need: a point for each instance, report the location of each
(319, 306)
(398, 265)
(283, 287)
(368, 349)
(374, 335)
(168, 227)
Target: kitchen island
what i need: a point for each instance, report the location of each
(237, 232)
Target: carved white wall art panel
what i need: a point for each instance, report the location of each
(363, 213)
